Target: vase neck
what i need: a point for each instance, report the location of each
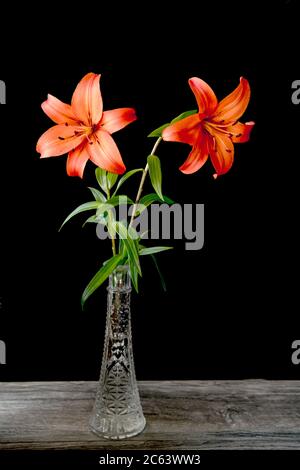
(119, 280)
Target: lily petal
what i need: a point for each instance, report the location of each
(221, 151)
(234, 105)
(59, 112)
(105, 153)
(77, 159)
(59, 140)
(186, 130)
(115, 119)
(197, 157)
(241, 132)
(206, 98)
(87, 100)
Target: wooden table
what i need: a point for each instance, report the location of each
(249, 414)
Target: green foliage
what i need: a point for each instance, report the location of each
(102, 179)
(129, 244)
(107, 268)
(130, 248)
(97, 195)
(125, 177)
(149, 199)
(154, 249)
(184, 115)
(111, 179)
(87, 206)
(158, 132)
(155, 174)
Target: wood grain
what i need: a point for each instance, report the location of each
(250, 414)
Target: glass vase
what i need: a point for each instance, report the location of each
(117, 412)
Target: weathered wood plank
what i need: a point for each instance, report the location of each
(250, 414)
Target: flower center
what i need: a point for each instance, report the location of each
(213, 127)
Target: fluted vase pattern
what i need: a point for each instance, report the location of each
(117, 412)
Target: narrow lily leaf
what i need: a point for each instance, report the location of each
(133, 234)
(119, 200)
(125, 177)
(162, 280)
(95, 219)
(154, 249)
(101, 176)
(101, 276)
(158, 132)
(129, 244)
(121, 247)
(111, 179)
(153, 197)
(133, 274)
(113, 202)
(87, 206)
(102, 208)
(155, 174)
(97, 195)
(184, 115)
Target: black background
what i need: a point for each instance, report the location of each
(231, 310)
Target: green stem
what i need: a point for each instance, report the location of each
(113, 241)
(141, 186)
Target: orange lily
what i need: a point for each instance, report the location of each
(214, 129)
(83, 130)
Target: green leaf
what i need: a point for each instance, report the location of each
(119, 200)
(133, 274)
(95, 219)
(184, 115)
(158, 132)
(125, 177)
(97, 195)
(154, 249)
(102, 208)
(113, 202)
(162, 280)
(101, 176)
(87, 206)
(101, 276)
(153, 197)
(111, 179)
(155, 174)
(133, 234)
(130, 245)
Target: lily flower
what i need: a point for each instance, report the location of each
(214, 129)
(83, 130)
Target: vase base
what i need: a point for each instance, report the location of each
(117, 427)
